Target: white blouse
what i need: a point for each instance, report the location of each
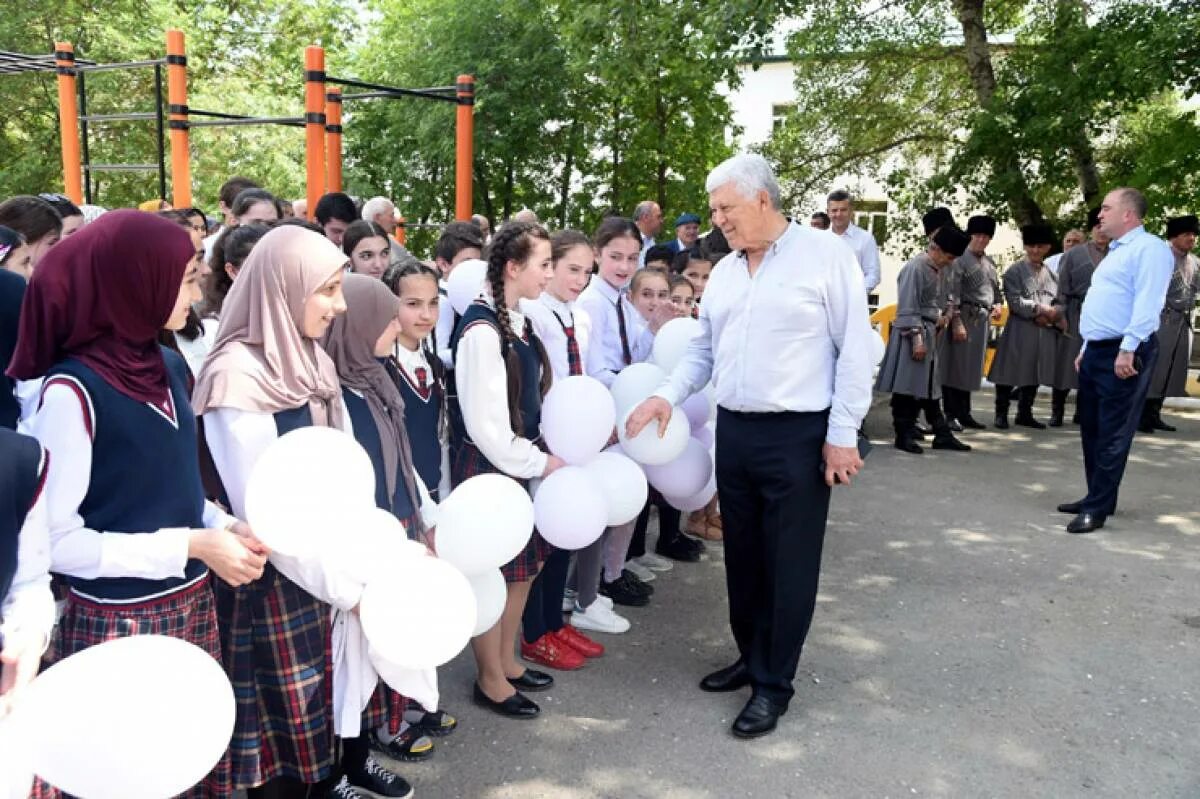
(549, 316)
(29, 606)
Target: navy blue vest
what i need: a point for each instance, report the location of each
(21, 474)
(530, 409)
(422, 417)
(293, 419)
(145, 472)
(368, 435)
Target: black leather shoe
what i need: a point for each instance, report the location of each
(679, 549)
(1029, 421)
(1072, 508)
(517, 706)
(922, 430)
(947, 441)
(970, 423)
(1085, 523)
(1146, 427)
(532, 680)
(758, 717)
(1001, 422)
(730, 678)
(1056, 420)
(908, 444)
(954, 425)
(1159, 424)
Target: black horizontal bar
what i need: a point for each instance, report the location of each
(118, 117)
(120, 65)
(121, 167)
(217, 123)
(387, 90)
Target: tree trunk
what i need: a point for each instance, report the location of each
(1006, 166)
(660, 113)
(509, 180)
(481, 180)
(564, 187)
(1071, 16)
(615, 189)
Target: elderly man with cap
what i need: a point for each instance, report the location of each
(1028, 348)
(911, 366)
(785, 338)
(1175, 325)
(974, 293)
(687, 233)
(1074, 279)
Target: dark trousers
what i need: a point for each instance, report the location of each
(1058, 401)
(668, 525)
(774, 503)
(1025, 397)
(543, 610)
(905, 409)
(1109, 411)
(956, 402)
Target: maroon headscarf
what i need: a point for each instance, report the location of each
(101, 296)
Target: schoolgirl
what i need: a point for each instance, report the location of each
(226, 255)
(129, 526)
(683, 296)
(696, 266)
(564, 330)
(366, 245)
(459, 241)
(619, 338)
(189, 341)
(265, 377)
(36, 220)
(501, 373)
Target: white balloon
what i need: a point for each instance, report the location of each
(421, 616)
(569, 509)
(465, 284)
(697, 500)
(303, 485)
(878, 347)
(633, 384)
(577, 418)
(491, 592)
(484, 523)
(684, 476)
(367, 544)
(142, 717)
(697, 409)
(647, 448)
(671, 342)
(622, 484)
(705, 436)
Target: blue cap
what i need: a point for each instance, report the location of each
(687, 219)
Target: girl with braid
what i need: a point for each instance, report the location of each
(501, 373)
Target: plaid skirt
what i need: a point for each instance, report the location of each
(467, 461)
(276, 646)
(189, 615)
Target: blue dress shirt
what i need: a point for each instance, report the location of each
(1128, 290)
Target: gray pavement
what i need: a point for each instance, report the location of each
(964, 646)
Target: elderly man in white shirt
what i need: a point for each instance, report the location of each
(840, 208)
(786, 340)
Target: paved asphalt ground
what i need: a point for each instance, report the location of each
(964, 646)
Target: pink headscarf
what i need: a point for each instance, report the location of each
(261, 360)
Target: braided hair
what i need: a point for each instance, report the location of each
(514, 242)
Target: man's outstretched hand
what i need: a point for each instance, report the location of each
(650, 409)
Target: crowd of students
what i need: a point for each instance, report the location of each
(148, 363)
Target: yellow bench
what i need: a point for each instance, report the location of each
(885, 317)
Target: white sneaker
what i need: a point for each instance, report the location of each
(568, 603)
(639, 571)
(655, 562)
(604, 600)
(599, 619)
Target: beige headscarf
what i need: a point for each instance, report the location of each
(261, 361)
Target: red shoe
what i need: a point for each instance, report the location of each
(579, 642)
(550, 652)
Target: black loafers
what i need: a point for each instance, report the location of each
(1072, 508)
(532, 680)
(730, 678)
(1085, 523)
(517, 706)
(758, 717)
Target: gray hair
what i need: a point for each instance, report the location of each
(376, 206)
(643, 209)
(749, 173)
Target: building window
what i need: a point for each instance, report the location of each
(871, 215)
(780, 114)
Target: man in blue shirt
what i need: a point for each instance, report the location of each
(1118, 323)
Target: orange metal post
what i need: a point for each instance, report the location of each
(333, 138)
(177, 121)
(401, 234)
(464, 149)
(68, 121)
(314, 128)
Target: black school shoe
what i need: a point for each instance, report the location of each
(622, 592)
(439, 724)
(641, 586)
(411, 746)
(376, 779)
(679, 548)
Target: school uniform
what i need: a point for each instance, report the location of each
(124, 469)
(26, 603)
(482, 439)
(424, 396)
(618, 335)
(275, 634)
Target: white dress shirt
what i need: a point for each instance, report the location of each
(481, 379)
(80, 551)
(1052, 262)
(605, 357)
(29, 606)
(795, 336)
(550, 316)
(866, 251)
